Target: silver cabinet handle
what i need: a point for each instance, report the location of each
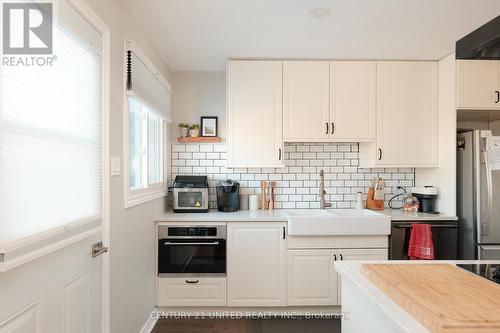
(193, 243)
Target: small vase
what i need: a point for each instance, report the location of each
(194, 133)
(183, 131)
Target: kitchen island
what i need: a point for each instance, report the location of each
(374, 302)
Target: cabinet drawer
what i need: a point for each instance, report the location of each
(208, 291)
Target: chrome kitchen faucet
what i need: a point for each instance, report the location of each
(322, 192)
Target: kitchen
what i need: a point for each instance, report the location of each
(231, 181)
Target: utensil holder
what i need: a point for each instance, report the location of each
(372, 203)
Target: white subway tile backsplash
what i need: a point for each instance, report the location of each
(192, 148)
(297, 184)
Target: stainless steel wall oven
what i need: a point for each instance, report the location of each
(191, 250)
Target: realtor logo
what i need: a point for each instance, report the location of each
(27, 28)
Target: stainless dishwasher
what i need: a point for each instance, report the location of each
(444, 237)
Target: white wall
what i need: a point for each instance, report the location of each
(444, 177)
(495, 127)
(198, 94)
(132, 230)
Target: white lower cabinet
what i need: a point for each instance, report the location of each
(311, 278)
(256, 264)
(359, 254)
(186, 291)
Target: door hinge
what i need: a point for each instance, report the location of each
(98, 249)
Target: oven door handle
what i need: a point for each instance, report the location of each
(191, 243)
(403, 226)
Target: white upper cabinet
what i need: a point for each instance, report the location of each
(407, 116)
(256, 264)
(306, 100)
(254, 113)
(329, 100)
(353, 100)
(478, 84)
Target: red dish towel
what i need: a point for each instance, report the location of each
(421, 246)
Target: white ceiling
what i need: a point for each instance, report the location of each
(199, 35)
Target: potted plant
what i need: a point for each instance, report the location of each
(183, 130)
(194, 131)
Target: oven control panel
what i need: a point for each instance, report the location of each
(192, 231)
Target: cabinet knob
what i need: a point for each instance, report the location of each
(327, 129)
(497, 96)
(333, 127)
(379, 154)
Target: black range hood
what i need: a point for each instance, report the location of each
(481, 44)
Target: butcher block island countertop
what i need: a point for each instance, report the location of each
(442, 297)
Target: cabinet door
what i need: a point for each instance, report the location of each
(363, 254)
(311, 279)
(353, 100)
(477, 84)
(359, 254)
(256, 259)
(407, 114)
(254, 114)
(305, 100)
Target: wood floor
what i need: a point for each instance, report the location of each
(246, 326)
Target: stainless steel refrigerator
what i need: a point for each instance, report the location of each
(478, 195)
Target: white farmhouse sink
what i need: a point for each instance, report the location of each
(337, 222)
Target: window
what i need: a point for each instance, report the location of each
(148, 110)
(50, 140)
(146, 129)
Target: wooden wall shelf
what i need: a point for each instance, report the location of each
(200, 139)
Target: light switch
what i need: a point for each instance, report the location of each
(115, 166)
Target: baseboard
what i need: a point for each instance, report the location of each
(150, 323)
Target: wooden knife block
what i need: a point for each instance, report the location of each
(372, 203)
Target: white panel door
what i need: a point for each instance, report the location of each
(407, 114)
(254, 113)
(256, 260)
(311, 279)
(305, 100)
(478, 84)
(49, 281)
(353, 100)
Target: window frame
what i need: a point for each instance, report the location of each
(158, 190)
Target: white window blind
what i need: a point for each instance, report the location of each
(50, 140)
(144, 80)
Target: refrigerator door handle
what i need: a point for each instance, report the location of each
(489, 195)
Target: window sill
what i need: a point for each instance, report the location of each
(139, 199)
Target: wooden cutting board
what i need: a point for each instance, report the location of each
(442, 297)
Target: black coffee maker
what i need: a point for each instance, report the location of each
(228, 196)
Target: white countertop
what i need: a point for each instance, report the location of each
(402, 321)
(279, 215)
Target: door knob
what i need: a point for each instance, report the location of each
(98, 249)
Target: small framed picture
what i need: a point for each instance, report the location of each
(208, 126)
